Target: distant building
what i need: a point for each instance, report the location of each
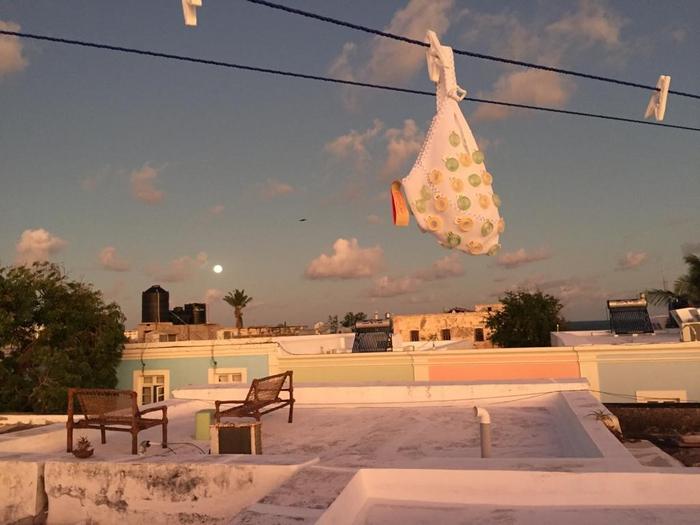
(456, 324)
(263, 331)
(170, 332)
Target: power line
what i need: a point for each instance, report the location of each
(231, 65)
(472, 54)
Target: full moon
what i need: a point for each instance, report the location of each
(218, 268)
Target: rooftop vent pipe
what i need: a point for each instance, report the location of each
(484, 430)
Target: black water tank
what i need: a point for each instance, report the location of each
(196, 312)
(179, 316)
(155, 305)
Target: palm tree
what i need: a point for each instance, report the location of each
(686, 289)
(239, 300)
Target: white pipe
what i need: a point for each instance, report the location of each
(483, 415)
(484, 431)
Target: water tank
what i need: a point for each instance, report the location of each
(196, 313)
(179, 316)
(155, 304)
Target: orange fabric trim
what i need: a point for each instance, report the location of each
(398, 205)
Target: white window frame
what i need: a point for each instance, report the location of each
(137, 383)
(211, 375)
(657, 396)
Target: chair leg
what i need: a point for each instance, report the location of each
(291, 412)
(164, 442)
(69, 444)
(103, 434)
(134, 442)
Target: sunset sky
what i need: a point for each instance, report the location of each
(131, 171)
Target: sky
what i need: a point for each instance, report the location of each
(131, 171)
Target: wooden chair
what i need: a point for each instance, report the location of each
(106, 409)
(263, 397)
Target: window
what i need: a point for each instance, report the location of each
(479, 335)
(445, 334)
(153, 389)
(227, 375)
(151, 386)
(167, 338)
(415, 335)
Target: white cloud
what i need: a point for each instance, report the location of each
(274, 188)
(213, 295)
(631, 260)
(679, 35)
(353, 145)
(402, 145)
(389, 61)
(341, 67)
(11, 58)
(386, 286)
(37, 245)
(444, 268)
(592, 23)
(178, 270)
(217, 209)
(90, 183)
(568, 290)
(393, 61)
(348, 261)
(111, 261)
(529, 86)
(521, 257)
(543, 41)
(142, 185)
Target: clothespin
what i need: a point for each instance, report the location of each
(441, 66)
(657, 102)
(189, 10)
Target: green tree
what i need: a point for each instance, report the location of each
(351, 318)
(686, 289)
(55, 333)
(239, 300)
(333, 324)
(525, 320)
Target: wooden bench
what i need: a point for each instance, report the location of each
(263, 397)
(106, 409)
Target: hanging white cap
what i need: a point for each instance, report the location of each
(657, 102)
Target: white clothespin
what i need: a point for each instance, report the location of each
(657, 102)
(189, 10)
(441, 68)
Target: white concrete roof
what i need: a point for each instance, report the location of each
(605, 337)
(537, 426)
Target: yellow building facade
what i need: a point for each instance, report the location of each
(455, 325)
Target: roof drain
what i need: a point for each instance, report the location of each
(485, 431)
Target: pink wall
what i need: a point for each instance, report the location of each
(494, 371)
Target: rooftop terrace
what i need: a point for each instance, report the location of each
(339, 433)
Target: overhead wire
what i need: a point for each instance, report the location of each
(481, 56)
(244, 67)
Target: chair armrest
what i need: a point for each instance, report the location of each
(154, 409)
(217, 403)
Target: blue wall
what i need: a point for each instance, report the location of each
(191, 371)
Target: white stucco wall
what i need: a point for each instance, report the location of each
(21, 488)
(210, 491)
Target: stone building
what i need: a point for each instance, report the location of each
(454, 325)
